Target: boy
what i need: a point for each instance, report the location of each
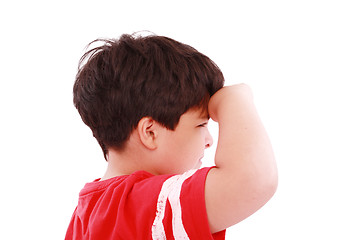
(147, 101)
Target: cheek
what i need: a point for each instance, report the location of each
(188, 146)
(196, 144)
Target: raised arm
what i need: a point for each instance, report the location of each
(245, 176)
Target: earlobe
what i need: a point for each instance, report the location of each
(147, 132)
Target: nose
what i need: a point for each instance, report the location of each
(208, 139)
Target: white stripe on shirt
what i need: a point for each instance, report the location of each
(170, 189)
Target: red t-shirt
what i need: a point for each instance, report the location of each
(143, 206)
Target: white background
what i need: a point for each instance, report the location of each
(301, 59)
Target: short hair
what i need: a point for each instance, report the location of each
(132, 77)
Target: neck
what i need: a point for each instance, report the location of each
(119, 163)
(124, 162)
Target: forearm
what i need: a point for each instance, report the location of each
(243, 145)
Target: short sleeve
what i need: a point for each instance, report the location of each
(194, 209)
(181, 202)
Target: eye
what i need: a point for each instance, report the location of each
(203, 124)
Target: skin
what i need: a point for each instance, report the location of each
(158, 150)
(245, 173)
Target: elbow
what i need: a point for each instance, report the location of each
(263, 186)
(269, 186)
(271, 189)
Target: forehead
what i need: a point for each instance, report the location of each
(195, 114)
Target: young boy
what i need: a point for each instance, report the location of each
(147, 101)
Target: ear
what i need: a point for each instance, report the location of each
(148, 132)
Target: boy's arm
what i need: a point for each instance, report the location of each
(245, 176)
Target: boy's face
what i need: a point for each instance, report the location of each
(183, 148)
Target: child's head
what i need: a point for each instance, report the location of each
(129, 78)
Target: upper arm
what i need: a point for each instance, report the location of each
(231, 196)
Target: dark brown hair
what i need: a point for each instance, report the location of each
(129, 78)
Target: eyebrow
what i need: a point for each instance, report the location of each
(204, 116)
